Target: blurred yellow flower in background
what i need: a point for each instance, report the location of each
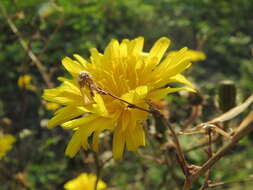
(125, 71)
(24, 82)
(6, 142)
(84, 182)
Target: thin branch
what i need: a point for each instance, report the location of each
(210, 154)
(250, 179)
(194, 114)
(32, 56)
(204, 144)
(181, 157)
(243, 130)
(238, 136)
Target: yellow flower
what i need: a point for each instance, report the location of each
(125, 71)
(24, 82)
(195, 55)
(84, 182)
(52, 106)
(6, 142)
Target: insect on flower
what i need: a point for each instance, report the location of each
(85, 80)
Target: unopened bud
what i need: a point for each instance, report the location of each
(226, 95)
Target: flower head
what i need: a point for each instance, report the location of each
(84, 181)
(125, 71)
(6, 142)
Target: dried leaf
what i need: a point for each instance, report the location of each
(233, 112)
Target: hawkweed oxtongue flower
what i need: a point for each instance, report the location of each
(125, 71)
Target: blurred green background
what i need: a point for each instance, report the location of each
(222, 29)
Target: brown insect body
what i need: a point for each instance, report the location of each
(85, 80)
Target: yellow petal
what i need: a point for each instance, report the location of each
(64, 114)
(96, 126)
(196, 55)
(180, 78)
(136, 95)
(111, 51)
(159, 49)
(139, 115)
(140, 93)
(180, 67)
(62, 97)
(118, 144)
(171, 60)
(125, 120)
(130, 137)
(75, 123)
(52, 106)
(81, 60)
(137, 46)
(65, 94)
(96, 57)
(103, 124)
(193, 54)
(123, 50)
(139, 136)
(80, 137)
(74, 145)
(177, 78)
(99, 107)
(73, 67)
